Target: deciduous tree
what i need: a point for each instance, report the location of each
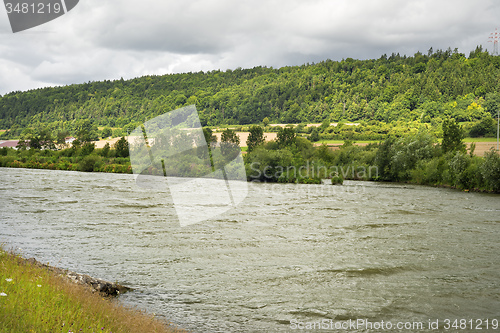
(255, 138)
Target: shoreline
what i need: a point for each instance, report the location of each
(39, 297)
(475, 190)
(103, 287)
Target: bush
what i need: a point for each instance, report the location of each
(457, 164)
(430, 171)
(87, 148)
(407, 151)
(490, 170)
(89, 163)
(483, 127)
(337, 180)
(314, 137)
(267, 165)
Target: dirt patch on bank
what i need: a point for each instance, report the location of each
(269, 136)
(102, 143)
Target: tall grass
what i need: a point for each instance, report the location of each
(32, 299)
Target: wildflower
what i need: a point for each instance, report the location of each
(39, 285)
(8, 280)
(3, 294)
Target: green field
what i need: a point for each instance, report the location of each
(480, 140)
(341, 142)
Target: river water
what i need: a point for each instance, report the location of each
(289, 253)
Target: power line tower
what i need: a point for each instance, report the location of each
(494, 38)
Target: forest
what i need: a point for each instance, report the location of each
(423, 88)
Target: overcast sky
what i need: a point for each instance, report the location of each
(104, 39)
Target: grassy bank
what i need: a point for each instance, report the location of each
(32, 299)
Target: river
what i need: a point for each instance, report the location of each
(288, 253)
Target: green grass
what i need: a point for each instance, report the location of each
(480, 139)
(341, 142)
(33, 299)
(475, 140)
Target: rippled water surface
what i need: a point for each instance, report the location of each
(310, 253)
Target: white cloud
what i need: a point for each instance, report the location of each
(104, 39)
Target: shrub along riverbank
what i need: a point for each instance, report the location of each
(418, 158)
(34, 299)
(415, 158)
(83, 157)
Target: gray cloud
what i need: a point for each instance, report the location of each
(104, 39)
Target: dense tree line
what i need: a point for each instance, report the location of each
(424, 87)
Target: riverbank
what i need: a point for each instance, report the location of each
(416, 159)
(39, 298)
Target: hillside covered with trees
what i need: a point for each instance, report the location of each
(426, 88)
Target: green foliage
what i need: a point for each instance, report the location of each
(453, 136)
(210, 138)
(230, 136)
(492, 103)
(337, 180)
(396, 158)
(383, 158)
(407, 151)
(89, 163)
(105, 150)
(268, 165)
(67, 159)
(255, 137)
(482, 128)
(285, 137)
(414, 158)
(87, 131)
(324, 154)
(490, 170)
(106, 132)
(395, 88)
(121, 147)
(61, 137)
(459, 165)
(87, 148)
(265, 121)
(314, 137)
(430, 172)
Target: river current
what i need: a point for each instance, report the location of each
(286, 257)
